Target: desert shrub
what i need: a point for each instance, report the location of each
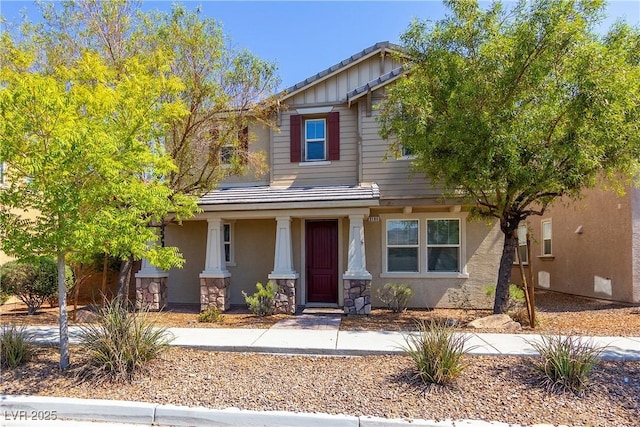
(516, 296)
(15, 348)
(437, 352)
(3, 297)
(33, 281)
(396, 297)
(211, 315)
(565, 363)
(119, 344)
(261, 303)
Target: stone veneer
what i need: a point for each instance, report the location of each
(357, 296)
(285, 299)
(214, 293)
(151, 293)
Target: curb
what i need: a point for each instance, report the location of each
(23, 410)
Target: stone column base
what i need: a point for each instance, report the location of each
(214, 293)
(151, 293)
(357, 296)
(285, 300)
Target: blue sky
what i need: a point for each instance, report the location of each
(305, 37)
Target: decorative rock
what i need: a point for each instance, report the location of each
(86, 315)
(495, 321)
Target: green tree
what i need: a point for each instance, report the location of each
(516, 108)
(83, 141)
(223, 88)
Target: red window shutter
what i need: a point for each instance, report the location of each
(334, 135)
(296, 145)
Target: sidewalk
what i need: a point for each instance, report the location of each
(330, 341)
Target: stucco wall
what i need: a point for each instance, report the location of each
(254, 248)
(483, 247)
(184, 283)
(592, 250)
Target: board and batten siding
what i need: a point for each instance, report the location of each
(335, 88)
(344, 171)
(392, 175)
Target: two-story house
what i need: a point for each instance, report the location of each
(335, 218)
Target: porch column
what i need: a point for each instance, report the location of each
(283, 273)
(357, 280)
(214, 280)
(151, 286)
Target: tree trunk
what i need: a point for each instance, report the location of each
(504, 274)
(124, 278)
(62, 304)
(103, 289)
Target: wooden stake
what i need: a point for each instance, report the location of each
(525, 288)
(532, 287)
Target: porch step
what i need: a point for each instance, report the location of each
(323, 310)
(328, 321)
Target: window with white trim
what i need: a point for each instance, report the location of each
(522, 245)
(2, 173)
(443, 245)
(226, 238)
(406, 153)
(315, 140)
(546, 237)
(424, 245)
(403, 245)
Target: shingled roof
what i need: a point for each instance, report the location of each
(268, 194)
(374, 84)
(339, 66)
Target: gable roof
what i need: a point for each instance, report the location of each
(374, 84)
(333, 70)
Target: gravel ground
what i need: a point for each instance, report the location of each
(490, 388)
(501, 389)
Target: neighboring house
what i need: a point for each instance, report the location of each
(589, 247)
(332, 220)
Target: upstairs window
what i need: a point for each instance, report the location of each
(314, 137)
(315, 147)
(232, 150)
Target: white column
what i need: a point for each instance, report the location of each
(214, 265)
(283, 259)
(357, 261)
(149, 270)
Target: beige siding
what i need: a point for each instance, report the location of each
(259, 153)
(343, 171)
(334, 89)
(596, 262)
(392, 175)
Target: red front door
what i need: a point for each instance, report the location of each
(322, 261)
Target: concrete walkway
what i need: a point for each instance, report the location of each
(325, 338)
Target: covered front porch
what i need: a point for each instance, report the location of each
(314, 250)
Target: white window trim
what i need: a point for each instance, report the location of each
(315, 163)
(422, 263)
(387, 246)
(459, 245)
(232, 259)
(324, 140)
(402, 156)
(542, 224)
(519, 244)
